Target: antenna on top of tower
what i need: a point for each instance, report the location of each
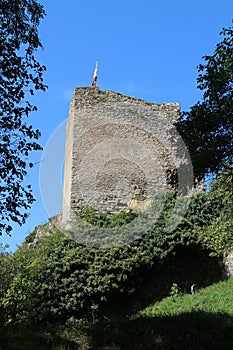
(95, 75)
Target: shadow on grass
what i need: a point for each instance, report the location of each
(35, 337)
(188, 331)
(189, 265)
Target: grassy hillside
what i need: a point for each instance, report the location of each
(200, 321)
(217, 298)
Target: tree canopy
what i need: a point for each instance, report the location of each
(20, 75)
(207, 128)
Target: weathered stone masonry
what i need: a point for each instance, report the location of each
(118, 151)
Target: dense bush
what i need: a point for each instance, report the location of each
(218, 237)
(58, 278)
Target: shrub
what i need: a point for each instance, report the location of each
(58, 278)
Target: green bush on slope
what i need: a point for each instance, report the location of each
(57, 278)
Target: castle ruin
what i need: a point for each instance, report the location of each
(119, 151)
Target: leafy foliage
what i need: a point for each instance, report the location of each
(175, 290)
(57, 278)
(207, 128)
(104, 220)
(218, 237)
(20, 75)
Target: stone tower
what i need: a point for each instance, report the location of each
(119, 151)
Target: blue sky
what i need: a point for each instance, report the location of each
(148, 49)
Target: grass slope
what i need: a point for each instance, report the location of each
(200, 321)
(217, 298)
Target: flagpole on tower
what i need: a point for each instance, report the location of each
(95, 75)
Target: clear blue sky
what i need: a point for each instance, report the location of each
(148, 49)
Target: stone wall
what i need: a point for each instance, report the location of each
(229, 264)
(119, 150)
